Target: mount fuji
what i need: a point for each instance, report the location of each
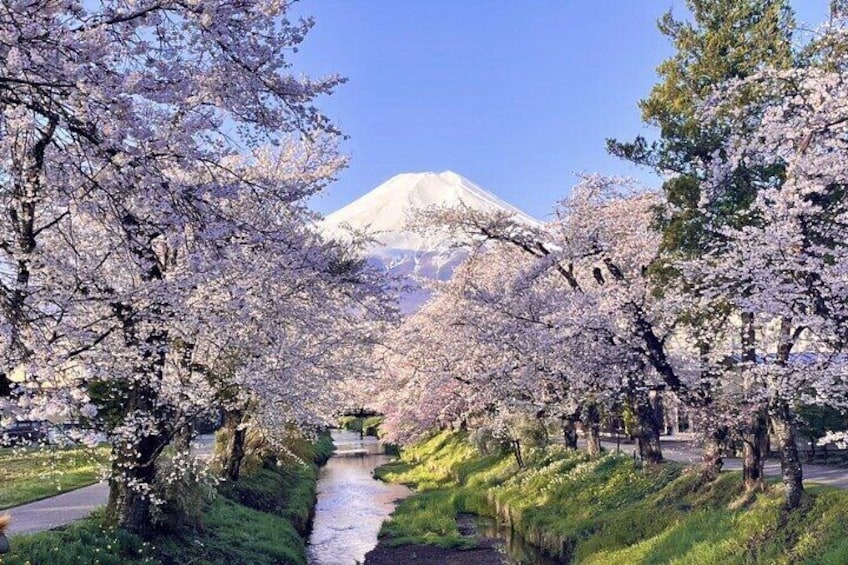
(383, 214)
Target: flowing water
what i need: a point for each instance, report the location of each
(351, 503)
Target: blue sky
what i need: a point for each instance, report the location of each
(515, 95)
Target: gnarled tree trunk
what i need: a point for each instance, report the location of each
(712, 461)
(592, 427)
(134, 465)
(754, 451)
(134, 468)
(783, 424)
(129, 504)
(234, 456)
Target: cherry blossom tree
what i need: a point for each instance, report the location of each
(145, 221)
(785, 266)
(600, 248)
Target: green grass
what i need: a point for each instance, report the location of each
(259, 519)
(322, 448)
(609, 510)
(233, 533)
(33, 473)
(262, 517)
(84, 542)
(287, 492)
(429, 517)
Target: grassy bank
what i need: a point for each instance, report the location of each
(33, 473)
(610, 510)
(259, 519)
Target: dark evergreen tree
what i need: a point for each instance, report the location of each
(726, 39)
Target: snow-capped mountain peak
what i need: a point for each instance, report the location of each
(384, 212)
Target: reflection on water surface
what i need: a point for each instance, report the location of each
(351, 503)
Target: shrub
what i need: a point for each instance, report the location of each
(184, 488)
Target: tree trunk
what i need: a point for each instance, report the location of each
(755, 433)
(182, 439)
(569, 432)
(129, 502)
(754, 451)
(516, 450)
(712, 460)
(145, 332)
(783, 424)
(134, 466)
(650, 421)
(592, 427)
(231, 468)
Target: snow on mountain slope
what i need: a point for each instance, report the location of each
(384, 212)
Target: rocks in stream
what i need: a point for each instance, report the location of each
(467, 525)
(495, 545)
(383, 554)
(486, 552)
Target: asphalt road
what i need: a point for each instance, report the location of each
(71, 506)
(687, 452)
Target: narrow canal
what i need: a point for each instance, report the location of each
(351, 504)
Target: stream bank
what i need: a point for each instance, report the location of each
(259, 519)
(607, 509)
(490, 542)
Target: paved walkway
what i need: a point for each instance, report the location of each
(57, 510)
(688, 452)
(71, 506)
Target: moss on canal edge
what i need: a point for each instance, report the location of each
(609, 510)
(263, 518)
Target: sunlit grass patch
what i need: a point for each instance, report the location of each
(33, 473)
(427, 518)
(85, 541)
(259, 519)
(611, 509)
